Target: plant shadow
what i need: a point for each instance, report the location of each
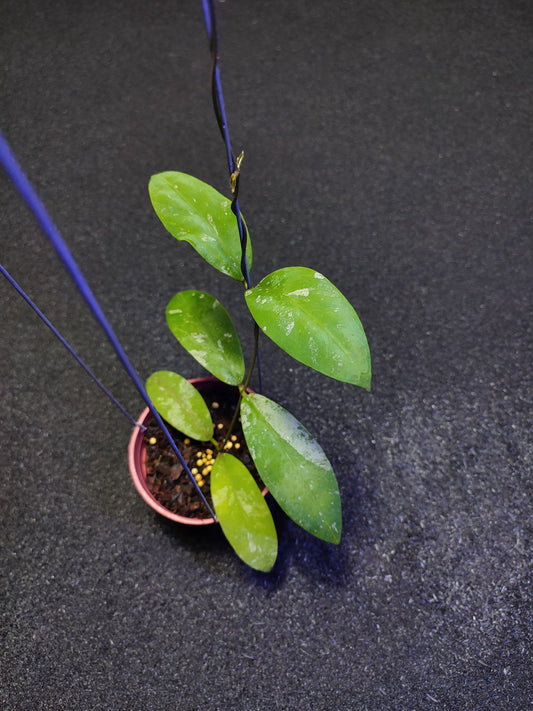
(323, 563)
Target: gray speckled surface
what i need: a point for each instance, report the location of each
(389, 145)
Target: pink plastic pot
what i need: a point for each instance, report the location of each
(137, 457)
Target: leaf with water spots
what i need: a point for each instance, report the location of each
(293, 466)
(309, 318)
(195, 212)
(243, 513)
(179, 403)
(204, 328)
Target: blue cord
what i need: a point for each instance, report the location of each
(67, 345)
(220, 113)
(23, 185)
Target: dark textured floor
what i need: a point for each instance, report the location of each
(388, 144)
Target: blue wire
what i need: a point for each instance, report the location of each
(67, 345)
(220, 111)
(23, 185)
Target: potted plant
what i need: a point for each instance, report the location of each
(234, 443)
(237, 442)
(305, 315)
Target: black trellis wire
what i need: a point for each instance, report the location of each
(220, 113)
(233, 164)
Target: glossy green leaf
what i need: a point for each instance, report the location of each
(204, 328)
(243, 513)
(180, 404)
(193, 211)
(309, 318)
(293, 466)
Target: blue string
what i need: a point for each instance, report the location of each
(23, 185)
(220, 113)
(67, 345)
(211, 26)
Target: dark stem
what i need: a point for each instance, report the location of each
(234, 170)
(242, 389)
(220, 114)
(254, 357)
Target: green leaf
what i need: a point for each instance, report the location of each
(193, 211)
(243, 513)
(180, 404)
(204, 328)
(293, 466)
(309, 318)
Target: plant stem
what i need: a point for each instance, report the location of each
(254, 357)
(242, 389)
(234, 170)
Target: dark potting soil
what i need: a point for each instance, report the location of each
(167, 480)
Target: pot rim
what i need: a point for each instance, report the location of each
(137, 467)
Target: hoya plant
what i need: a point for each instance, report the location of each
(305, 315)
